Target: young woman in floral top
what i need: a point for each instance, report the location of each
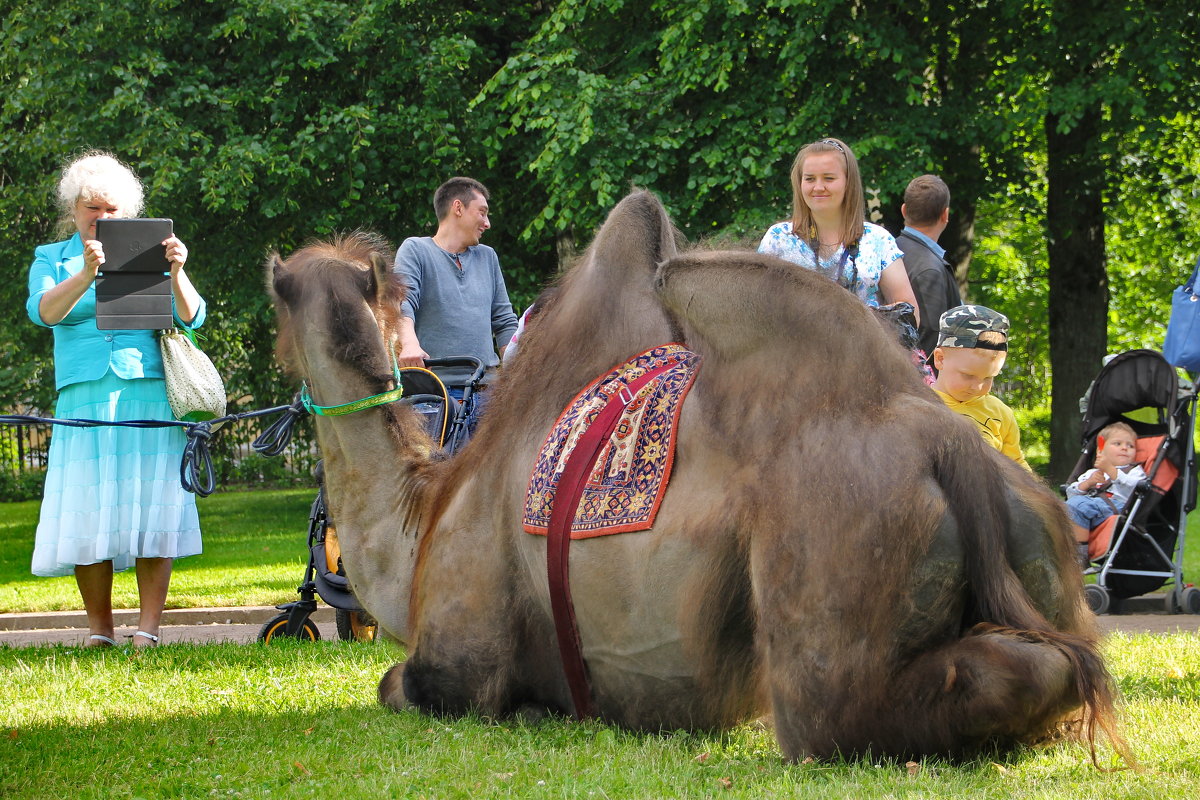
(828, 232)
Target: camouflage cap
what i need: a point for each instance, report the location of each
(961, 326)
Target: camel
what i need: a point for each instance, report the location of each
(835, 547)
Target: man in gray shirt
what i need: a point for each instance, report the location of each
(457, 303)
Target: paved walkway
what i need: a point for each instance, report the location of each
(241, 625)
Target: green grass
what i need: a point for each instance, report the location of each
(254, 554)
(300, 720)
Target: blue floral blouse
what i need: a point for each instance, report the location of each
(875, 252)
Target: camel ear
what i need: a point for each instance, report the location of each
(380, 277)
(279, 281)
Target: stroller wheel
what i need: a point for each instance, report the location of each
(276, 629)
(1190, 601)
(355, 626)
(1098, 599)
(1169, 604)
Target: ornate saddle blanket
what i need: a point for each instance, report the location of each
(626, 484)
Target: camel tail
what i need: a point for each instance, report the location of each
(999, 600)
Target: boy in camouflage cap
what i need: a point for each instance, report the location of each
(972, 346)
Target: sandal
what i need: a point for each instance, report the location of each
(153, 639)
(100, 640)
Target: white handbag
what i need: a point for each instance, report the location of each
(194, 387)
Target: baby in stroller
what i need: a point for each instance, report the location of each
(1104, 490)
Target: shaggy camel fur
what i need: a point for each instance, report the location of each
(835, 545)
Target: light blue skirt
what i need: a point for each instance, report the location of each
(113, 493)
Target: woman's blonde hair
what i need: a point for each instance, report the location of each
(97, 175)
(854, 207)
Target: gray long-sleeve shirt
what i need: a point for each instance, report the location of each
(456, 312)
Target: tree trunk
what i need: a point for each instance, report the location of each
(1078, 278)
(964, 176)
(959, 238)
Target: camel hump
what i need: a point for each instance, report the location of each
(637, 235)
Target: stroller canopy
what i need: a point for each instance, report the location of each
(1132, 380)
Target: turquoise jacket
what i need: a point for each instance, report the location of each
(83, 352)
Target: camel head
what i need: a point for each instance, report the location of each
(338, 305)
(350, 300)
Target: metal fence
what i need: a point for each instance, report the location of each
(24, 449)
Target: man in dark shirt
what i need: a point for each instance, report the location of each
(926, 211)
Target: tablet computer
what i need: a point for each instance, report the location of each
(133, 301)
(134, 245)
(133, 288)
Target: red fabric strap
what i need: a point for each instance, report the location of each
(558, 536)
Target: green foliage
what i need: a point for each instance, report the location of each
(22, 485)
(1009, 274)
(18, 481)
(1153, 238)
(255, 126)
(254, 470)
(705, 103)
(1152, 245)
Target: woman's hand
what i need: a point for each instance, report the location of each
(187, 300)
(177, 254)
(58, 301)
(93, 257)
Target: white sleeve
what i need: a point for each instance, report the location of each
(1073, 488)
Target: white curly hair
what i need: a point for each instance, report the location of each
(97, 175)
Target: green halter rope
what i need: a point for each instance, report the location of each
(356, 405)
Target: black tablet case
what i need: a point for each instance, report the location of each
(133, 288)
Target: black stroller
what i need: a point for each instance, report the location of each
(446, 418)
(1140, 548)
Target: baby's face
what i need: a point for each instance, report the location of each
(1120, 449)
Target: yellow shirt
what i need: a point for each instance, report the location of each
(996, 423)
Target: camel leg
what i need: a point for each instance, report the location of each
(997, 685)
(454, 668)
(992, 686)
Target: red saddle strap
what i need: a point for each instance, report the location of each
(558, 536)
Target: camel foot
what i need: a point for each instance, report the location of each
(531, 713)
(391, 688)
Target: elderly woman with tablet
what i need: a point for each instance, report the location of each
(113, 498)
